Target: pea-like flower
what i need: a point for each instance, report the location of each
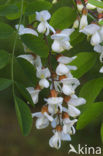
(43, 118)
(61, 40)
(59, 135)
(44, 26)
(22, 30)
(34, 94)
(69, 85)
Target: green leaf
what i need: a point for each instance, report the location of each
(8, 9)
(84, 62)
(17, 14)
(93, 112)
(37, 5)
(24, 116)
(4, 58)
(91, 90)
(5, 30)
(96, 3)
(63, 18)
(24, 93)
(28, 69)
(4, 83)
(101, 131)
(36, 44)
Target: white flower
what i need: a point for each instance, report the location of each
(90, 29)
(68, 126)
(43, 119)
(79, 5)
(34, 94)
(23, 30)
(44, 83)
(66, 60)
(55, 140)
(43, 73)
(95, 39)
(90, 6)
(56, 101)
(61, 40)
(69, 85)
(44, 26)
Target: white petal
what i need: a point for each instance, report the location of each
(101, 70)
(37, 114)
(28, 57)
(83, 22)
(28, 31)
(90, 29)
(98, 48)
(50, 118)
(67, 89)
(41, 27)
(62, 69)
(44, 83)
(72, 67)
(75, 101)
(42, 122)
(66, 60)
(43, 15)
(95, 39)
(43, 73)
(67, 31)
(56, 47)
(65, 137)
(54, 100)
(55, 141)
(73, 112)
(90, 6)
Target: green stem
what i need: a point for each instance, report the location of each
(14, 46)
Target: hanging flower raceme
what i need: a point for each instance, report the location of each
(60, 108)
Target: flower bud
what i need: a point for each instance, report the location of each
(76, 23)
(83, 21)
(59, 128)
(79, 5)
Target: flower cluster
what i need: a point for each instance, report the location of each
(94, 31)
(60, 109)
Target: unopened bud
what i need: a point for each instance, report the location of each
(44, 109)
(53, 93)
(67, 98)
(59, 128)
(65, 115)
(79, 5)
